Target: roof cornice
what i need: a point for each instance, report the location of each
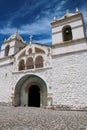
(70, 42)
(66, 19)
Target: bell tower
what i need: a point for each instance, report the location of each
(67, 28)
(12, 45)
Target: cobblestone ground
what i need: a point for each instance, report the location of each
(26, 118)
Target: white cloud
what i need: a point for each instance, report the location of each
(44, 41)
(41, 25)
(27, 8)
(60, 5)
(8, 30)
(38, 27)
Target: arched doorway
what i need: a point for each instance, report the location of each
(30, 90)
(34, 96)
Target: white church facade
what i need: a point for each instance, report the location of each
(40, 75)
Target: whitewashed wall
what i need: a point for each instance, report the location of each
(70, 79)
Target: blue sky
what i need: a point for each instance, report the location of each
(33, 17)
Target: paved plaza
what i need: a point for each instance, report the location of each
(28, 118)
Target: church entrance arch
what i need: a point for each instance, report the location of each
(30, 90)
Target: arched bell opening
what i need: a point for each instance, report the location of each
(67, 33)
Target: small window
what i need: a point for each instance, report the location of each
(67, 33)
(38, 50)
(7, 50)
(30, 51)
(39, 62)
(21, 65)
(29, 63)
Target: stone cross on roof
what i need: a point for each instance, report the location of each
(31, 38)
(17, 32)
(67, 12)
(77, 10)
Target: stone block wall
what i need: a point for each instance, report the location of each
(6, 83)
(69, 84)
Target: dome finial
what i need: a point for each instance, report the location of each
(67, 12)
(31, 38)
(55, 19)
(16, 32)
(77, 11)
